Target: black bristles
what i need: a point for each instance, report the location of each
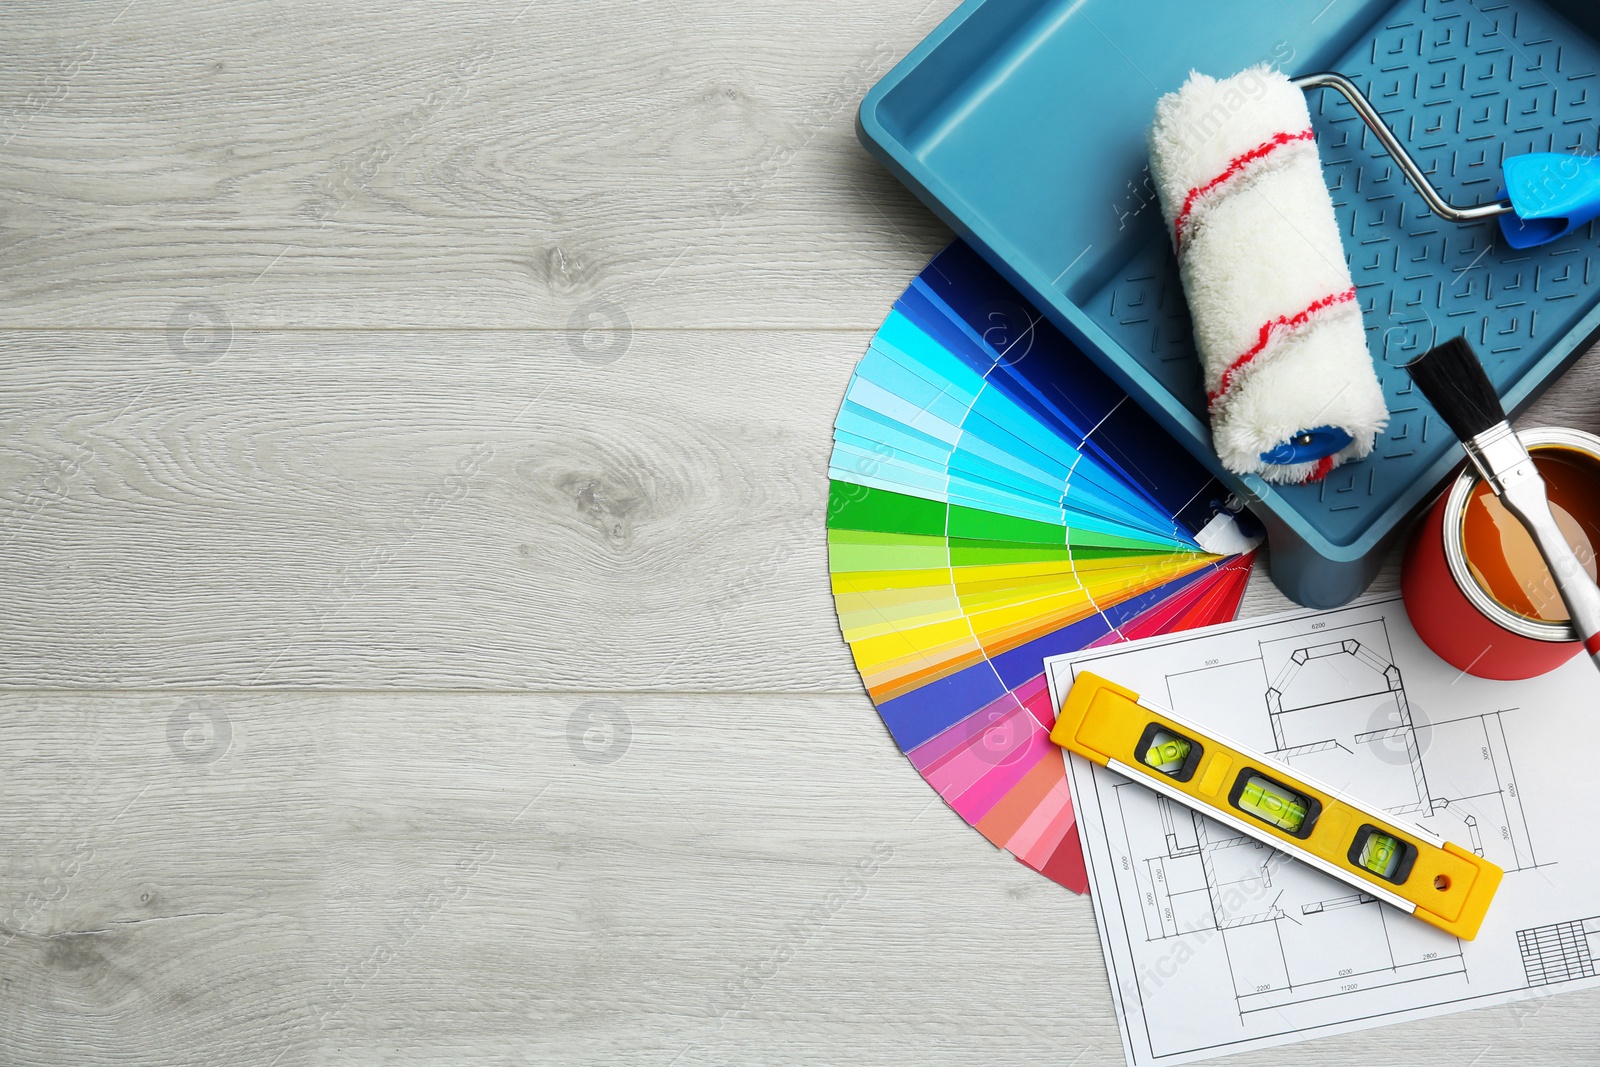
(1457, 386)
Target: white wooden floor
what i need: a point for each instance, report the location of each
(416, 644)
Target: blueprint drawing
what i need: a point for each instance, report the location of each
(1216, 943)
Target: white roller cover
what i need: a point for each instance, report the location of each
(1276, 317)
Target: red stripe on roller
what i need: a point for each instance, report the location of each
(1592, 646)
(1235, 168)
(1320, 471)
(1281, 324)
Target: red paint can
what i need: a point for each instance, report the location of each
(1473, 612)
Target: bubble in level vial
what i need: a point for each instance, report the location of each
(1166, 752)
(1381, 855)
(1272, 803)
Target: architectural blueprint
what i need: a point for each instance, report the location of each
(1216, 943)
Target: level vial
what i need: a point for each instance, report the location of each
(1273, 803)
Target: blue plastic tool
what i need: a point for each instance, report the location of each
(1022, 123)
(1547, 195)
(1308, 445)
(1552, 194)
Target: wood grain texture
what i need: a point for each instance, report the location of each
(545, 878)
(417, 646)
(421, 510)
(375, 164)
(485, 510)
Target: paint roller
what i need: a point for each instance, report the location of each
(1290, 384)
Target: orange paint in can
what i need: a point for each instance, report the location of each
(1475, 586)
(1502, 555)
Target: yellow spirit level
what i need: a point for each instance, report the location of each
(1395, 862)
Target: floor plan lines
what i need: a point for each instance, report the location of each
(1290, 933)
(1336, 707)
(1217, 942)
(1338, 697)
(1559, 952)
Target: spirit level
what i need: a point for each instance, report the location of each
(1396, 862)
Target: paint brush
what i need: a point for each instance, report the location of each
(1457, 386)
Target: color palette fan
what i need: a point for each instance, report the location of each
(996, 499)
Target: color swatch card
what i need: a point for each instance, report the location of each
(996, 499)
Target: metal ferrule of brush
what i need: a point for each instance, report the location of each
(1505, 464)
(1502, 459)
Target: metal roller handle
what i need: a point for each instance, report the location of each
(1397, 151)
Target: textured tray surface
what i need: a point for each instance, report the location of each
(1022, 122)
(1465, 86)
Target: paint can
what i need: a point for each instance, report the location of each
(1474, 587)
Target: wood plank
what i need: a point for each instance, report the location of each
(497, 165)
(434, 510)
(269, 877)
(489, 510)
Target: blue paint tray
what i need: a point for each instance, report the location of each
(1022, 123)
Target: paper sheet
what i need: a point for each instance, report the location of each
(1216, 944)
